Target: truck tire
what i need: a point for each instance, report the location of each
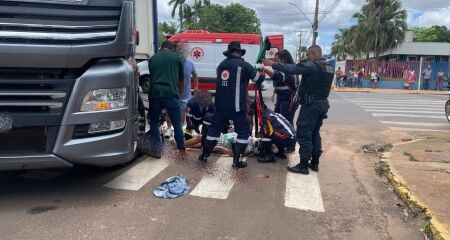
(145, 84)
(447, 110)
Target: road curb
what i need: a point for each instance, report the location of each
(390, 91)
(437, 229)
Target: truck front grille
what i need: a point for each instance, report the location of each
(35, 97)
(57, 24)
(24, 141)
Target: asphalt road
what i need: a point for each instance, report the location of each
(346, 200)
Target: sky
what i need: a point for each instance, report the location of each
(279, 16)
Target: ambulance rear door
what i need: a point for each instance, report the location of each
(204, 57)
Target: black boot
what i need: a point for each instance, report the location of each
(207, 149)
(314, 165)
(238, 153)
(301, 168)
(281, 153)
(265, 153)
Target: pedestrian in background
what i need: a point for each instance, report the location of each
(166, 87)
(338, 77)
(410, 78)
(440, 80)
(374, 79)
(351, 77)
(317, 78)
(426, 77)
(360, 75)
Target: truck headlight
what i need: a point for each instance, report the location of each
(106, 126)
(105, 99)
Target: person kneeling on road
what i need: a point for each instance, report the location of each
(233, 76)
(281, 133)
(313, 92)
(199, 109)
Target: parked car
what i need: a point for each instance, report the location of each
(144, 76)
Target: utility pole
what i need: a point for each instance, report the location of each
(315, 25)
(299, 50)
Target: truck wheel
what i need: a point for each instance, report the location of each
(447, 110)
(145, 84)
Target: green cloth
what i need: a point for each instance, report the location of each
(166, 71)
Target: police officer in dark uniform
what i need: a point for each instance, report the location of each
(233, 76)
(284, 86)
(313, 92)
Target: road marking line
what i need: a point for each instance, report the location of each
(403, 108)
(398, 105)
(422, 124)
(216, 186)
(418, 130)
(137, 176)
(405, 115)
(402, 111)
(398, 101)
(303, 191)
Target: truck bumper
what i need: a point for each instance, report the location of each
(32, 162)
(63, 148)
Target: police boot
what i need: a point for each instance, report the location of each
(207, 148)
(238, 153)
(314, 165)
(301, 168)
(281, 153)
(266, 155)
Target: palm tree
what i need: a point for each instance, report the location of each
(181, 6)
(381, 26)
(343, 44)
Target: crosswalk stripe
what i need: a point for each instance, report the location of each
(420, 124)
(397, 101)
(398, 105)
(406, 115)
(403, 111)
(303, 191)
(417, 130)
(215, 186)
(137, 176)
(403, 108)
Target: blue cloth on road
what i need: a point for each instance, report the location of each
(173, 187)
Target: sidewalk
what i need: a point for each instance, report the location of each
(388, 91)
(423, 167)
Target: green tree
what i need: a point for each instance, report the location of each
(343, 44)
(432, 34)
(234, 18)
(182, 7)
(385, 17)
(192, 14)
(165, 29)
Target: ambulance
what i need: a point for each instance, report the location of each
(206, 49)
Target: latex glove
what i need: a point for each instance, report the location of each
(259, 67)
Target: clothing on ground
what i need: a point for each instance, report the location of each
(172, 188)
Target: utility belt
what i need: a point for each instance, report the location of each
(282, 88)
(308, 99)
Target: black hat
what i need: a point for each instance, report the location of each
(234, 46)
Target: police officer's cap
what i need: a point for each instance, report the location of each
(233, 47)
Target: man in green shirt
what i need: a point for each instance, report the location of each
(166, 87)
